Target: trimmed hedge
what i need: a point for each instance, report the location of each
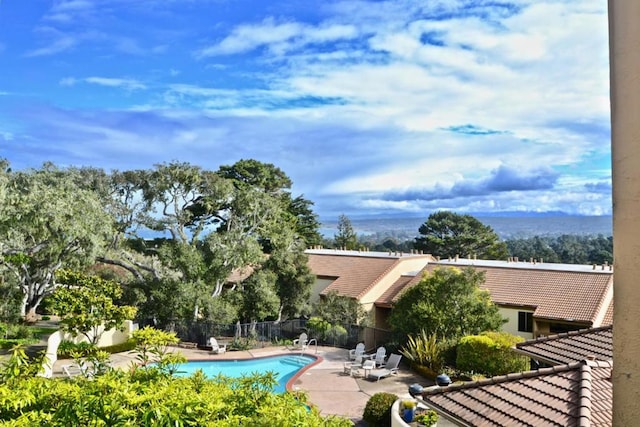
(490, 353)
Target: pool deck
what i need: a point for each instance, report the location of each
(328, 388)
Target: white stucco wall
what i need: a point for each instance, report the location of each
(511, 314)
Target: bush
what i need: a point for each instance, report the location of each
(66, 348)
(490, 353)
(377, 412)
(424, 350)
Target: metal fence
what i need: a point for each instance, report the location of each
(263, 332)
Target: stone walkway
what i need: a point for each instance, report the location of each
(328, 388)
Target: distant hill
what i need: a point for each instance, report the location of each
(507, 227)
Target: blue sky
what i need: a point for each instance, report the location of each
(371, 107)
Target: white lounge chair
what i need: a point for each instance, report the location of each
(380, 357)
(358, 351)
(391, 368)
(301, 342)
(215, 347)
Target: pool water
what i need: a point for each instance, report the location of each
(283, 367)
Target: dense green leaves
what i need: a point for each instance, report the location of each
(48, 222)
(447, 303)
(346, 237)
(490, 353)
(447, 234)
(88, 304)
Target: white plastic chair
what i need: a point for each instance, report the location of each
(215, 347)
(301, 342)
(358, 351)
(380, 356)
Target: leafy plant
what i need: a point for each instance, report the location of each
(408, 404)
(377, 411)
(424, 350)
(490, 353)
(427, 418)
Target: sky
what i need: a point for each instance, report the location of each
(372, 108)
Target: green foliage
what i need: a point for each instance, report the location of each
(20, 366)
(48, 221)
(16, 334)
(448, 303)
(447, 234)
(377, 411)
(346, 238)
(122, 399)
(340, 310)
(152, 344)
(67, 349)
(88, 303)
(491, 353)
(565, 249)
(424, 350)
(427, 418)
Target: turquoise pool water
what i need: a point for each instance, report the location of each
(284, 367)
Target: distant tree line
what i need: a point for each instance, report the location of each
(447, 234)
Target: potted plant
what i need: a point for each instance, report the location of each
(408, 409)
(428, 418)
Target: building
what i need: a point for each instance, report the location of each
(362, 275)
(537, 299)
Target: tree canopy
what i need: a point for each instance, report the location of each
(447, 234)
(447, 302)
(346, 237)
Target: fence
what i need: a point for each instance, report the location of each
(263, 332)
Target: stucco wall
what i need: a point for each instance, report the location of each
(512, 324)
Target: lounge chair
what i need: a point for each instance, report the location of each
(301, 342)
(215, 347)
(358, 351)
(73, 370)
(391, 368)
(380, 357)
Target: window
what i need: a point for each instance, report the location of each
(525, 321)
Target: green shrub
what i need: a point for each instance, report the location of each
(427, 418)
(377, 412)
(66, 349)
(490, 353)
(423, 350)
(45, 318)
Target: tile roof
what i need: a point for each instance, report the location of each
(354, 272)
(572, 294)
(571, 346)
(577, 394)
(394, 290)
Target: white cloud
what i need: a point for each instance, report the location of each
(128, 84)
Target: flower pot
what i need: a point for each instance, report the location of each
(408, 414)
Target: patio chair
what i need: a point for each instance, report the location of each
(358, 351)
(350, 366)
(380, 357)
(391, 368)
(215, 347)
(72, 370)
(301, 342)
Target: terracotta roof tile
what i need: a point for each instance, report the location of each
(553, 293)
(566, 395)
(394, 290)
(571, 346)
(354, 272)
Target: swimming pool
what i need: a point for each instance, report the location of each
(284, 367)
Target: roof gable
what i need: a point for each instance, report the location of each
(354, 272)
